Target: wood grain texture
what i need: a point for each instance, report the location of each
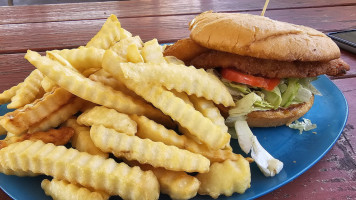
(4, 196)
(141, 8)
(334, 176)
(17, 38)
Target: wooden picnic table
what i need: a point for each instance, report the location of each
(59, 26)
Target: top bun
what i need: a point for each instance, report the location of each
(261, 37)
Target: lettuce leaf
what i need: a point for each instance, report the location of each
(248, 142)
(305, 125)
(274, 97)
(306, 83)
(290, 93)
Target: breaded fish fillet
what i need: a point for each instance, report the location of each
(271, 68)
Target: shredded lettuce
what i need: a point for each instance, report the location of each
(245, 105)
(248, 142)
(243, 134)
(244, 89)
(305, 125)
(303, 95)
(290, 93)
(306, 83)
(273, 97)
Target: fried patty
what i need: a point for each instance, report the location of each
(269, 68)
(185, 50)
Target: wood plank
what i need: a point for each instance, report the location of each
(67, 34)
(139, 8)
(333, 176)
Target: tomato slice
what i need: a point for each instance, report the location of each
(255, 81)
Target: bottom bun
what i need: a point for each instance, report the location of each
(279, 117)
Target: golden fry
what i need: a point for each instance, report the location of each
(79, 167)
(108, 34)
(82, 140)
(151, 130)
(110, 118)
(105, 78)
(89, 90)
(20, 120)
(82, 59)
(56, 136)
(121, 48)
(152, 52)
(47, 84)
(29, 90)
(6, 95)
(133, 54)
(2, 129)
(146, 151)
(225, 178)
(186, 115)
(63, 190)
(209, 110)
(58, 116)
(178, 185)
(178, 77)
(124, 34)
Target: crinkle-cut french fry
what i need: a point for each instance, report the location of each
(89, 90)
(146, 151)
(47, 84)
(105, 78)
(82, 140)
(152, 52)
(124, 34)
(110, 118)
(149, 129)
(28, 92)
(176, 108)
(6, 95)
(56, 136)
(63, 190)
(21, 119)
(218, 155)
(59, 116)
(108, 34)
(8, 171)
(178, 185)
(173, 60)
(209, 110)
(183, 96)
(120, 48)
(82, 58)
(225, 178)
(133, 54)
(180, 78)
(79, 167)
(2, 129)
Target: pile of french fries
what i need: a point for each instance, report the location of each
(138, 123)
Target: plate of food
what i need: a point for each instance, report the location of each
(297, 151)
(202, 154)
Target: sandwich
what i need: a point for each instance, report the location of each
(267, 65)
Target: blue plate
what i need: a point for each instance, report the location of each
(297, 151)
